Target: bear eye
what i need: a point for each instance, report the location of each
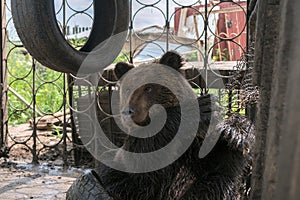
(148, 89)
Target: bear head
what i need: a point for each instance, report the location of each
(150, 84)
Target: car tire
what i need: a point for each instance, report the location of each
(36, 25)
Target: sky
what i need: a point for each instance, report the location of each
(144, 18)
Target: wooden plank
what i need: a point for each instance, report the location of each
(288, 81)
(182, 20)
(216, 65)
(199, 45)
(190, 69)
(224, 10)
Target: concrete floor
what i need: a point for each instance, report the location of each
(24, 181)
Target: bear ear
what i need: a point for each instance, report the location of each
(122, 68)
(172, 59)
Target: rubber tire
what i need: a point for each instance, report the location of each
(36, 25)
(87, 187)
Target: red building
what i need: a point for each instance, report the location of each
(228, 32)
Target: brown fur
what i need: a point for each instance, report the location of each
(147, 95)
(217, 176)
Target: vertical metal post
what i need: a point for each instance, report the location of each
(206, 47)
(3, 77)
(64, 17)
(34, 133)
(130, 33)
(64, 132)
(167, 25)
(65, 151)
(73, 124)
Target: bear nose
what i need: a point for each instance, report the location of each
(128, 111)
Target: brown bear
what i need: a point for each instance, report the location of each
(218, 175)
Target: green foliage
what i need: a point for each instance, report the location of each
(192, 57)
(77, 43)
(57, 132)
(27, 81)
(34, 81)
(122, 57)
(227, 98)
(224, 99)
(220, 55)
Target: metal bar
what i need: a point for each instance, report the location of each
(72, 116)
(206, 46)
(3, 77)
(65, 151)
(64, 17)
(130, 34)
(1, 80)
(167, 25)
(34, 133)
(64, 131)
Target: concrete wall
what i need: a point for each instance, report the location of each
(276, 172)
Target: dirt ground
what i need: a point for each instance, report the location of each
(21, 180)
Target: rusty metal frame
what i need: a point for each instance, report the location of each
(68, 89)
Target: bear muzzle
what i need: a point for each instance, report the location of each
(131, 117)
